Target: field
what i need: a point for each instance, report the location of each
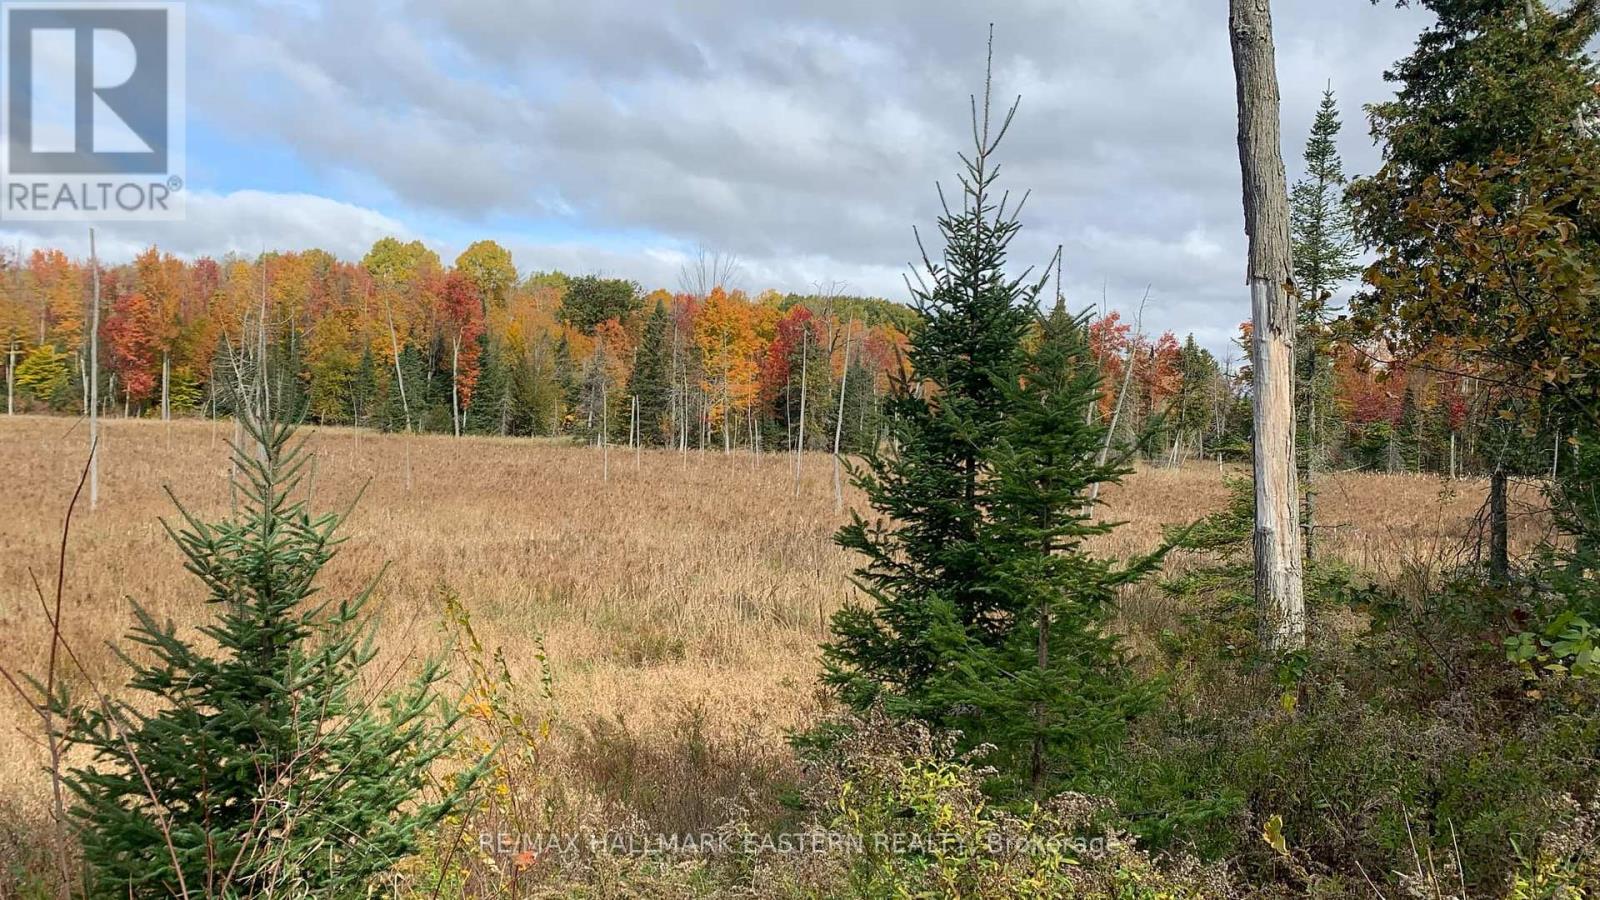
(668, 588)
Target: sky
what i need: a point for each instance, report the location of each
(804, 139)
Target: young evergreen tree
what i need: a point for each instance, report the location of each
(651, 378)
(251, 763)
(1052, 692)
(1321, 223)
(926, 564)
(1325, 254)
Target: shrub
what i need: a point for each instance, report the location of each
(255, 765)
(921, 825)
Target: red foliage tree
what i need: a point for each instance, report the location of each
(132, 333)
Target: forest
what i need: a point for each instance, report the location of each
(397, 341)
(390, 577)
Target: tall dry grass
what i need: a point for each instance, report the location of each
(668, 588)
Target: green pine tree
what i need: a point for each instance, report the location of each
(1053, 692)
(490, 409)
(1325, 257)
(651, 378)
(252, 762)
(1486, 76)
(1325, 249)
(925, 558)
(862, 417)
(569, 379)
(364, 389)
(401, 408)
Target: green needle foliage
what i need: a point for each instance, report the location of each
(251, 762)
(988, 615)
(965, 350)
(651, 378)
(1054, 691)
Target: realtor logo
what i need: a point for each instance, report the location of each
(92, 102)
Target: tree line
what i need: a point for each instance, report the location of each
(399, 341)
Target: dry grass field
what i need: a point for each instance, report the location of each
(678, 583)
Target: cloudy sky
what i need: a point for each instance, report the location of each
(805, 138)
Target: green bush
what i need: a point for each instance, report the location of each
(252, 763)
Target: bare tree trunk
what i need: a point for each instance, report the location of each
(1122, 394)
(13, 344)
(838, 423)
(800, 441)
(399, 375)
(94, 377)
(166, 383)
(11, 377)
(455, 381)
(1279, 593)
(261, 360)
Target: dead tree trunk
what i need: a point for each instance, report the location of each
(838, 423)
(1279, 595)
(94, 378)
(455, 382)
(800, 442)
(11, 377)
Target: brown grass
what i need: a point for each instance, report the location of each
(698, 583)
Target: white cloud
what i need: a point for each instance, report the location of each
(243, 222)
(804, 137)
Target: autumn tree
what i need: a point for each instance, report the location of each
(461, 320)
(59, 284)
(159, 278)
(488, 266)
(131, 332)
(727, 341)
(399, 272)
(43, 375)
(793, 371)
(333, 353)
(15, 321)
(1478, 214)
